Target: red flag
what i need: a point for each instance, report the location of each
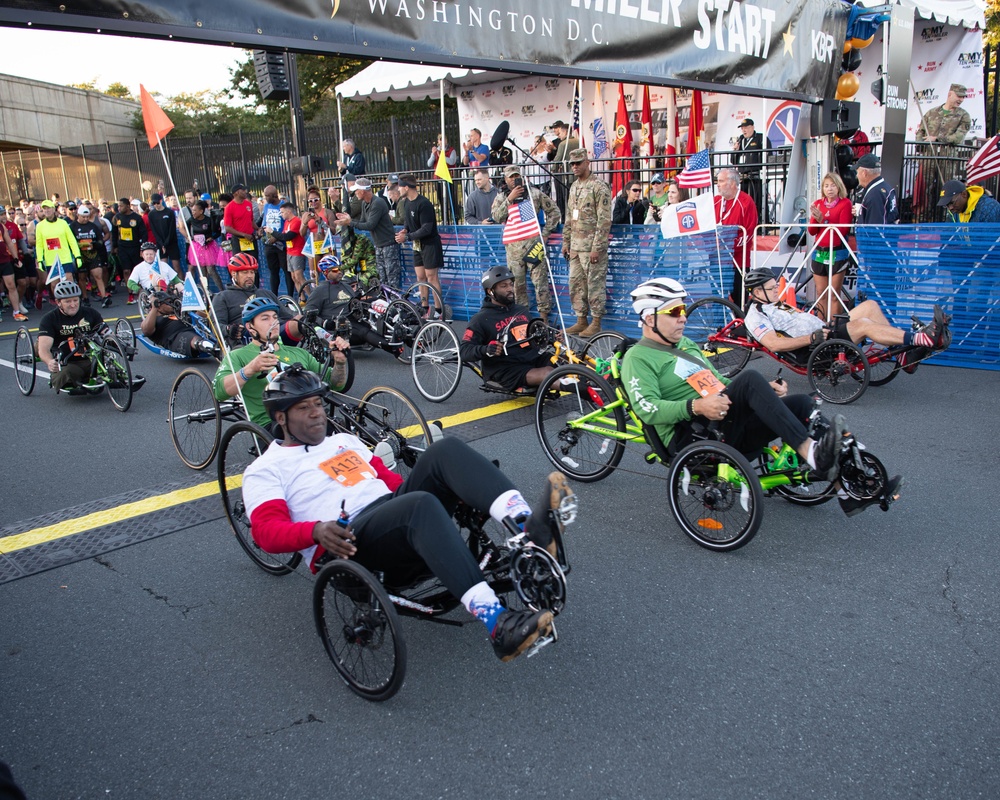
(157, 123)
(646, 146)
(622, 145)
(671, 164)
(696, 123)
(985, 163)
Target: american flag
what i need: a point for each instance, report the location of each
(986, 163)
(521, 222)
(697, 173)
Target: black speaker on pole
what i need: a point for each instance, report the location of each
(272, 76)
(835, 116)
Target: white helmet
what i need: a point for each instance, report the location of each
(656, 293)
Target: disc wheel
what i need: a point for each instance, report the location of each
(125, 334)
(360, 630)
(241, 444)
(24, 361)
(436, 364)
(194, 418)
(715, 495)
(388, 415)
(117, 374)
(402, 323)
(434, 299)
(571, 397)
(838, 371)
(705, 319)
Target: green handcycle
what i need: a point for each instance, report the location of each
(584, 420)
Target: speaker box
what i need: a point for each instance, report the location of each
(835, 116)
(272, 77)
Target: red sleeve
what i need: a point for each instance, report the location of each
(842, 213)
(274, 530)
(227, 214)
(386, 475)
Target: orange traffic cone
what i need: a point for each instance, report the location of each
(786, 291)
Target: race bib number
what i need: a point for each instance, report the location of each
(52, 244)
(701, 379)
(200, 239)
(125, 234)
(520, 332)
(348, 468)
(247, 245)
(86, 245)
(416, 246)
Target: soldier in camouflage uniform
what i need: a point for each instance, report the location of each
(948, 123)
(527, 254)
(357, 258)
(585, 244)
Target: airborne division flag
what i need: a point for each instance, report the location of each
(521, 222)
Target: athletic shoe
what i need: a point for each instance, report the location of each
(909, 360)
(941, 324)
(39, 300)
(106, 302)
(516, 631)
(131, 299)
(555, 509)
(23, 309)
(852, 506)
(828, 449)
(19, 317)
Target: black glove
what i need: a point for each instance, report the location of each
(343, 329)
(494, 349)
(817, 337)
(310, 315)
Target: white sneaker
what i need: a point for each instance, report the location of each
(22, 309)
(384, 451)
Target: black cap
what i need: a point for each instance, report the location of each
(949, 191)
(746, 122)
(239, 187)
(869, 161)
(156, 197)
(71, 205)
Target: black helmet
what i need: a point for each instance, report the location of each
(758, 277)
(289, 387)
(147, 246)
(495, 275)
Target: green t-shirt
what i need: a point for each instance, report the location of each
(253, 389)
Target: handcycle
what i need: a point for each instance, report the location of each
(356, 614)
(584, 420)
(436, 362)
(839, 371)
(195, 416)
(126, 333)
(110, 367)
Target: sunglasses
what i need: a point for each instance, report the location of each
(674, 311)
(635, 191)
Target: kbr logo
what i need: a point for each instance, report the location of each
(782, 122)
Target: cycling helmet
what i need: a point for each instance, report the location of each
(329, 262)
(758, 277)
(147, 246)
(656, 293)
(257, 305)
(242, 262)
(289, 387)
(495, 275)
(66, 289)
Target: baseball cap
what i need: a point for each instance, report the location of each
(71, 205)
(949, 191)
(657, 178)
(84, 211)
(869, 161)
(239, 187)
(156, 198)
(558, 124)
(394, 178)
(512, 170)
(746, 122)
(206, 197)
(47, 204)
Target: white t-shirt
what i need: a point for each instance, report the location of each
(774, 318)
(143, 274)
(314, 481)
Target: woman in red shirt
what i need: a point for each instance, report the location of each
(831, 257)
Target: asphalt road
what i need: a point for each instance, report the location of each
(830, 657)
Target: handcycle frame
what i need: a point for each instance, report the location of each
(356, 614)
(715, 494)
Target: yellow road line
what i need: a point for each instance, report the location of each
(486, 411)
(110, 321)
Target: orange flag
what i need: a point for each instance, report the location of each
(157, 123)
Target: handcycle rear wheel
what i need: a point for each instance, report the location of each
(838, 371)
(25, 368)
(125, 333)
(569, 393)
(402, 323)
(436, 364)
(715, 495)
(118, 374)
(882, 370)
(388, 415)
(360, 630)
(241, 444)
(194, 418)
(434, 299)
(145, 302)
(707, 317)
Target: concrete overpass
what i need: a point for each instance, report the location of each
(44, 115)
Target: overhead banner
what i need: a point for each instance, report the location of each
(771, 48)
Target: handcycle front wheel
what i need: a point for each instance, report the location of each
(241, 444)
(715, 495)
(360, 630)
(881, 367)
(117, 374)
(125, 333)
(577, 435)
(838, 371)
(194, 418)
(402, 323)
(705, 319)
(25, 368)
(327, 362)
(387, 415)
(813, 493)
(434, 299)
(436, 364)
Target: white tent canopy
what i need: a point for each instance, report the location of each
(389, 80)
(964, 13)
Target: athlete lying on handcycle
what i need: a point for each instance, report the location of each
(163, 326)
(328, 496)
(782, 328)
(68, 360)
(670, 384)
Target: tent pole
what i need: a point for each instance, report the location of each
(340, 144)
